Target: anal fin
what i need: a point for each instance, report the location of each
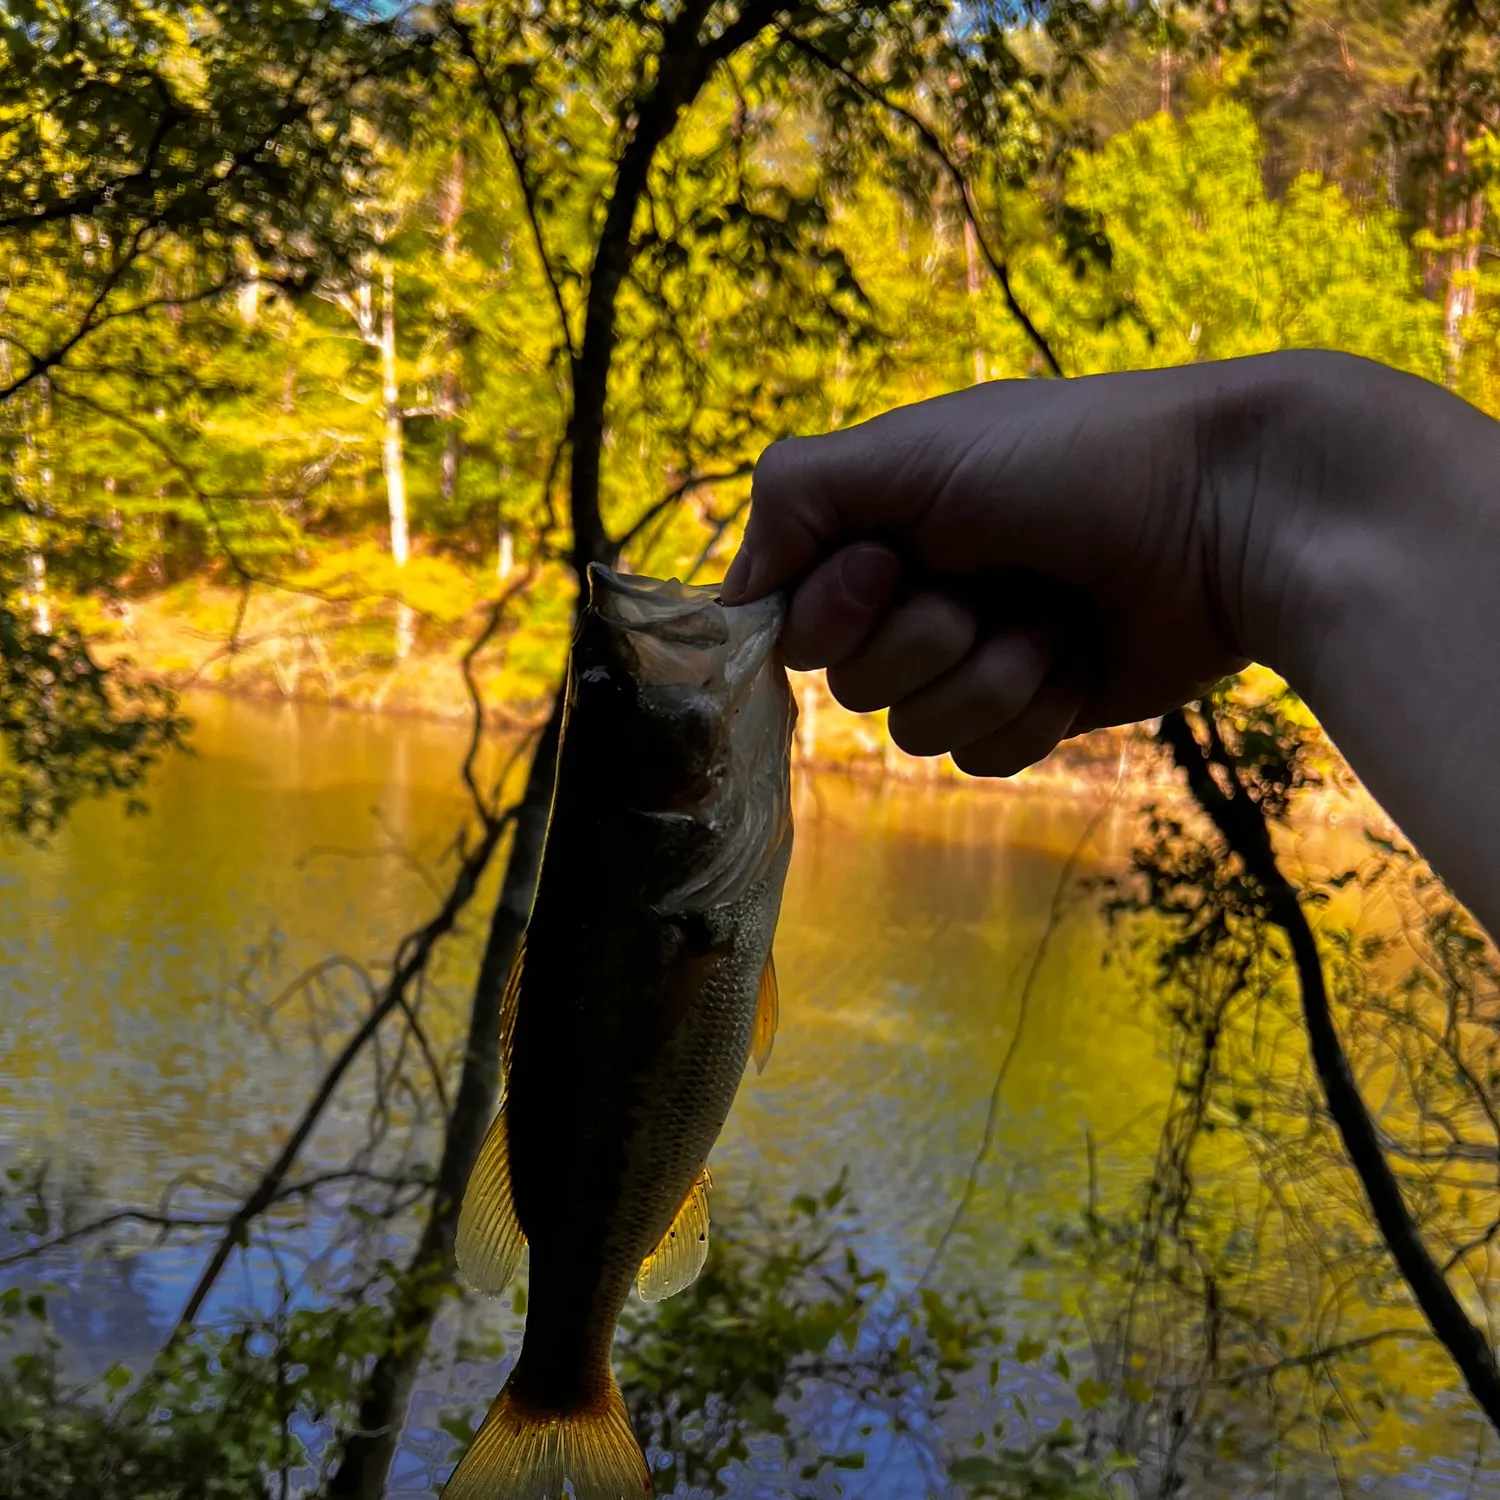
(676, 1262)
(767, 1016)
(490, 1238)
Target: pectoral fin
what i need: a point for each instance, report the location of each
(676, 1262)
(767, 1015)
(490, 1239)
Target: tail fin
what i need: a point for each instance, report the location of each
(523, 1452)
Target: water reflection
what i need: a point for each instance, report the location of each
(135, 955)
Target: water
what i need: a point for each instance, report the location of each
(137, 957)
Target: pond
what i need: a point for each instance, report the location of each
(137, 1052)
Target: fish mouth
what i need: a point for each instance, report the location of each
(683, 634)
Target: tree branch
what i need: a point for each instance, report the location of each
(684, 63)
(1320, 1356)
(1243, 827)
(412, 956)
(930, 140)
(470, 49)
(673, 495)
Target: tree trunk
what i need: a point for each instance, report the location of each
(41, 606)
(1247, 835)
(1461, 223)
(393, 458)
(450, 392)
(807, 718)
(36, 559)
(369, 1450)
(1459, 296)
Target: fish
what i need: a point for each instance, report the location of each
(643, 988)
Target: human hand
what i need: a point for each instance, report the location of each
(1010, 564)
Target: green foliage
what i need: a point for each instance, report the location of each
(715, 1377)
(224, 1418)
(70, 729)
(207, 385)
(1204, 264)
(1248, 1155)
(784, 1314)
(130, 134)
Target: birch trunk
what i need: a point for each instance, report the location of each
(393, 457)
(36, 560)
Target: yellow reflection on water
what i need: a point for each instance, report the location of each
(137, 957)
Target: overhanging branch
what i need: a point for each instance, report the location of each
(1243, 827)
(934, 145)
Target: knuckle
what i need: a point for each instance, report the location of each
(1008, 674)
(945, 627)
(780, 472)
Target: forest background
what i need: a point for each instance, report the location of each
(336, 342)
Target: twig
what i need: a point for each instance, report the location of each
(1038, 957)
(673, 495)
(1320, 1356)
(467, 45)
(162, 1221)
(1243, 827)
(929, 139)
(413, 954)
(466, 666)
(717, 530)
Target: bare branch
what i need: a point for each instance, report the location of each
(466, 666)
(470, 49)
(929, 139)
(163, 1221)
(412, 956)
(1321, 1356)
(716, 532)
(673, 495)
(1243, 827)
(1055, 913)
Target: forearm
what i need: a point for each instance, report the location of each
(1372, 585)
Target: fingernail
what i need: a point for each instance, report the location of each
(868, 576)
(737, 579)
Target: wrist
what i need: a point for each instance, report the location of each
(1341, 491)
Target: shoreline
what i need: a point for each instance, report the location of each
(877, 762)
(294, 650)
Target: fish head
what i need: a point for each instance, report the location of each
(687, 700)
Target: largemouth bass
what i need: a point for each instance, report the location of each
(644, 986)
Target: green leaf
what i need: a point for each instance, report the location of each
(976, 1469)
(1092, 1393)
